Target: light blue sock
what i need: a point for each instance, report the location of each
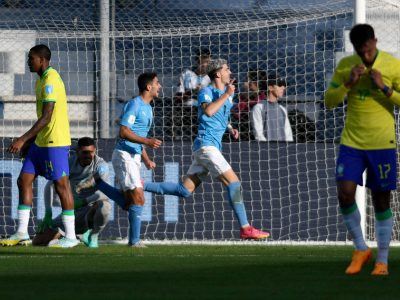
(111, 192)
(236, 202)
(384, 225)
(135, 222)
(167, 188)
(352, 220)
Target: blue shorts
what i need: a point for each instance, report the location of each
(49, 162)
(380, 164)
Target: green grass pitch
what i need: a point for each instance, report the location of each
(191, 272)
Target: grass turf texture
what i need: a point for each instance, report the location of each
(190, 272)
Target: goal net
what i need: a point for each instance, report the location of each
(100, 48)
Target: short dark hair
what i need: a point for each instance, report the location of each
(85, 142)
(360, 34)
(275, 80)
(144, 79)
(42, 51)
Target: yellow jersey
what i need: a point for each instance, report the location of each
(370, 123)
(50, 88)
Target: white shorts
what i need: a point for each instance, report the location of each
(127, 170)
(208, 159)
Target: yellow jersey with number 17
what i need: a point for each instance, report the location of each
(50, 88)
(370, 121)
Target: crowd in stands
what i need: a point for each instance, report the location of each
(257, 113)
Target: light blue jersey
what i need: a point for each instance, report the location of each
(138, 117)
(211, 129)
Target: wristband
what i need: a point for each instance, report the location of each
(386, 90)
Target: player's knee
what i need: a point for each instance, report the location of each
(105, 208)
(346, 198)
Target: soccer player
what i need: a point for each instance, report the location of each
(136, 120)
(370, 79)
(48, 155)
(215, 103)
(92, 208)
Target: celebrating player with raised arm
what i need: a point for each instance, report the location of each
(370, 79)
(48, 155)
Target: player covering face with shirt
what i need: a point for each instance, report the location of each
(370, 79)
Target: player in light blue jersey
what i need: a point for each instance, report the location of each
(215, 103)
(136, 120)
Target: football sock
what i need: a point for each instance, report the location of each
(167, 188)
(384, 224)
(236, 202)
(23, 218)
(68, 219)
(352, 220)
(111, 192)
(135, 222)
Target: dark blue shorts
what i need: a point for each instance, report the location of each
(380, 164)
(49, 162)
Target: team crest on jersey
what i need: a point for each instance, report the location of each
(131, 119)
(48, 88)
(207, 97)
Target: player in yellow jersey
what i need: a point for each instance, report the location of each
(48, 155)
(370, 79)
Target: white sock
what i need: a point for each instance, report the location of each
(23, 220)
(69, 226)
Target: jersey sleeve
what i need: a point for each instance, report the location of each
(337, 91)
(205, 96)
(103, 170)
(50, 88)
(130, 113)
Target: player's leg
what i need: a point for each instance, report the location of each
(57, 169)
(127, 173)
(167, 188)
(213, 160)
(110, 191)
(182, 189)
(48, 234)
(381, 180)
(25, 181)
(233, 187)
(383, 230)
(350, 166)
(135, 199)
(63, 190)
(96, 219)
